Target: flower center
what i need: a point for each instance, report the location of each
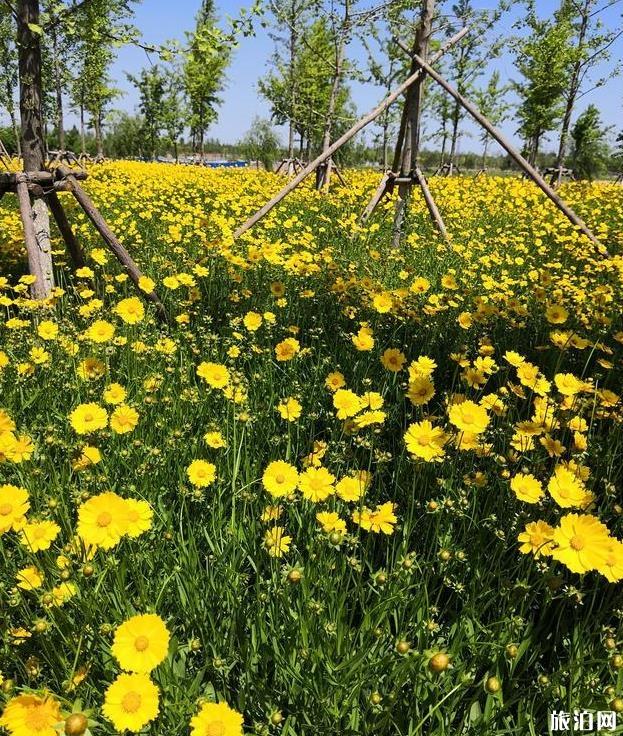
(280, 478)
(88, 417)
(216, 728)
(104, 519)
(5, 509)
(577, 543)
(141, 643)
(131, 702)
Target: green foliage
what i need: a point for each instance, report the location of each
(590, 148)
(151, 86)
(261, 143)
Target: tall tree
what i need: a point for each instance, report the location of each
(591, 45)
(543, 58)
(492, 104)
(8, 70)
(151, 86)
(204, 73)
(590, 147)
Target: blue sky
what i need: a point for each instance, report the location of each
(160, 20)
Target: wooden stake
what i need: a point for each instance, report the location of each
(511, 150)
(109, 238)
(73, 246)
(38, 289)
(360, 125)
(431, 204)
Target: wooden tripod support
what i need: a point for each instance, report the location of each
(46, 185)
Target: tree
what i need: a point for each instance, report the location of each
(204, 73)
(492, 104)
(590, 148)
(261, 143)
(8, 71)
(591, 46)
(543, 59)
(125, 135)
(151, 86)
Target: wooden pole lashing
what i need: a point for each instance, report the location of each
(359, 125)
(511, 150)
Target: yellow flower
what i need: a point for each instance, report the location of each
(201, 473)
(393, 360)
(568, 384)
(556, 314)
(363, 340)
(275, 542)
(347, 403)
(215, 375)
(146, 284)
(31, 715)
(29, 578)
(421, 390)
(536, 539)
(88, 418)
(138, 516)
(280, 478)
(141, 643)
(47, 330)
(469, 417)
(91, 369)
(39, 535)
(130, 310)
(287, 349)
(316, 484)
(334, 381)
(382, 302)
(567, 489)
(215, 440)
(425, 441)
(252, 321)
(290, 409)
(422, 367)
(14, 505)
(123, 419)
(353, 487)
(331, 522)
(216, 719)
(382, 519)
(89, 456)
(114, 394)
(131, 702)
(102, 520)
(526, 487)
(612, 565)
(582, 543)
(100, 331)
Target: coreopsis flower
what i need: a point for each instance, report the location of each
(123, 419)
(90, 369)
(31, 715)
(526, 487)
(382, 519)
(468, 416)
(331, 522)
(567, 489)
(139, 515)
(536, 539)
(201, 473)
(280, 478)
(276, 542)
(383, 302)
(316, 484)
(353, 487)
(114, 394)
(215, 375)
(421, 367)
(425, 441)
(335, 381)
(102, 520)
(215, 440)
(393, 360)
(37, 536)
(146, 284)
(556, 314)
(14, 505)
(347, 403)
(141, 643)
(47, 330)
(88, 418)
(290, 409)
(582, 543)
(131, 702)
(612, 565)
(287, 349)
(252, 321)
(29, 578)
(217, 718)
(363, 340)
(130, 310)
(100, 331)
(89, 456)
(568, 384)
(420, 391)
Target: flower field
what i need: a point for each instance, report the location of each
(348, 490)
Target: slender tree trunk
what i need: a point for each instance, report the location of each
(293, 80)
(454, 137)
(82, 130)
(574, 86)
(58, 84)
(33, 147)
(16, 133)
(484, 153)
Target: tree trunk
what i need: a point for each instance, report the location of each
(15, 128)
(99, 147)
(484, 154)
(454, 138)
(33, 147)
(292, 75)
(325, 181)
(82, 132)
(58, 84)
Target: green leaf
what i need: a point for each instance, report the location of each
(36, 29)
